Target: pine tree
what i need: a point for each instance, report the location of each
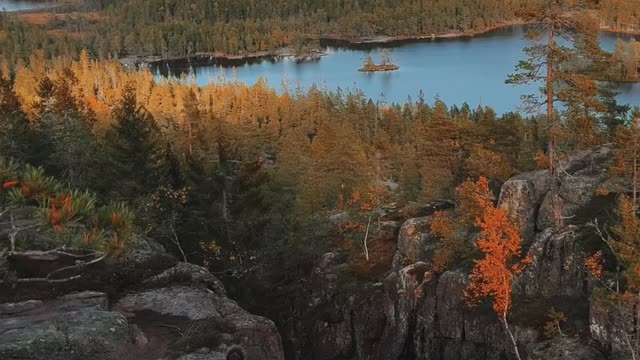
(550, 62)
(66, 143)
(132, 148)
(17, 139)
(627, 155)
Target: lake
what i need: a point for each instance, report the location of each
(11, 5)
(471, 70)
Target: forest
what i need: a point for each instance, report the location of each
(239, 178)
(248, 168)
(269, 161)
(118, 29)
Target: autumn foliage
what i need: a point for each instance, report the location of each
(594, 265)
(626, 241)
(499, 241)
(362, 211)
(444, 227)
(453, 229)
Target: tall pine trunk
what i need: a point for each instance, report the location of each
(552, 123)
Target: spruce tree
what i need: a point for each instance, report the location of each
(67, 146)
(132, 146)
(16, 136)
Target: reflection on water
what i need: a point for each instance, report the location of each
(454, 70)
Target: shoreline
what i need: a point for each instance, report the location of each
(152, 60)
(212, 57)
(384, 39)
(47, 7)
(610, 30)
(147, 61)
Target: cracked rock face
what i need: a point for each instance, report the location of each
(256, 335)
(194, 304)
(556, 266)
(77, 326)
(564, 348)
(173, 311)
(410, 313)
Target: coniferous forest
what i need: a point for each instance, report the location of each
(354, 228)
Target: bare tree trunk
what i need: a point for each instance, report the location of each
(13, 235)
(177, 242)
(635, 134)
(553, 156)
(366, 237)
(513, 338)
(625, 330)
(190, 139)
(505, 311)
(635, 171)
(226, 216)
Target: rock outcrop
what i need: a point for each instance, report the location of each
(76, 326)
(411, 313)
(161, 310)
(562, 348)
(149, 306)
(556, 268)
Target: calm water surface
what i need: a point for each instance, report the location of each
(11, 5)
(471, 70)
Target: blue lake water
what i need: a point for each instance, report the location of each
(471, 70)
(12, 5)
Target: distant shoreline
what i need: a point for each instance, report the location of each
(349, 41)
(151, 60)
(146, 61)
(383, 39)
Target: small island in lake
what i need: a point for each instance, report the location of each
(385, 64)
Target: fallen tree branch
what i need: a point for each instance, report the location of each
(78, 266)
(45, 280)
(49, 278)
(58, 252)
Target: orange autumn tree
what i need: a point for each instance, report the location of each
(492, 276)
(453, 229)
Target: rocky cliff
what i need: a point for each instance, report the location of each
(143, 306)
(407, 313)
(149, 306)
